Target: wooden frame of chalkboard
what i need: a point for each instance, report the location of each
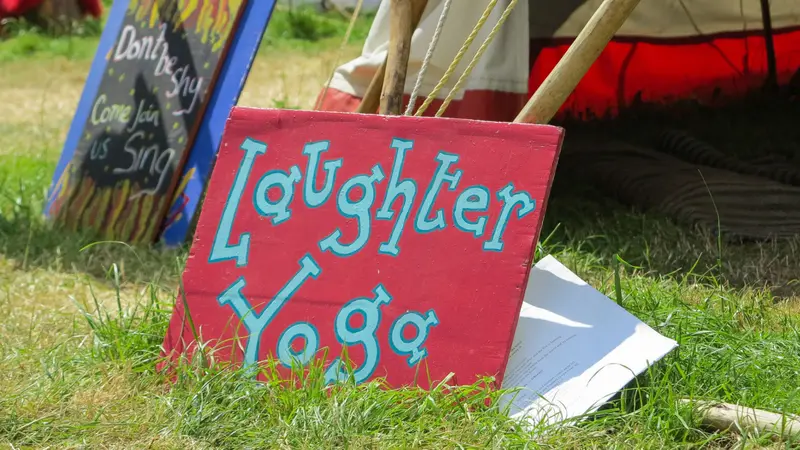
(137, 217)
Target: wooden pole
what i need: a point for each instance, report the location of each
(394, 81)
(726, 416)
(588, 45)
(769, 43)
(58, 15)
(371, 100)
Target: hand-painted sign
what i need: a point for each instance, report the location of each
(123, 158)
(407, 240)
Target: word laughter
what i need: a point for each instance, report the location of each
(473, 199)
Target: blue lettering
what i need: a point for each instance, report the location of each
(422, 325)
(279, 210)
(221, 250)
(407, 188)
(288, 357)
(365, 335)
(314, 149)
(474, 198)
(359, 209)
(509, 199)
(256, 323)
(423, 224)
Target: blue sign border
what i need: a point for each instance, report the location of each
(241, 53)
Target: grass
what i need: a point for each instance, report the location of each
(82, 324)
(290, 29)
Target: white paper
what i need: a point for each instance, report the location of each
(574, 347)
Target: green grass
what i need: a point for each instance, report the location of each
(299, 29)
(306, 29)
(81, 327)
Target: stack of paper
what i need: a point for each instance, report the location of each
(574, 348)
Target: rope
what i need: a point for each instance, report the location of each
(457, 59)
(339, 53)
(428, 55)
(463, 78)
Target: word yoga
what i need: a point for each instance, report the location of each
(398, 243)
(131, 142)
(368, 309)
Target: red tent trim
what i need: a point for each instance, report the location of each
(678, 40)
(630, 69)
(658, 71)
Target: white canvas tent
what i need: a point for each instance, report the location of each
(667, 49)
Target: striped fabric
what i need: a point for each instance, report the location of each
(682, 145)
(740, 206)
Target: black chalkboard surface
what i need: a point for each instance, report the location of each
(157, 82)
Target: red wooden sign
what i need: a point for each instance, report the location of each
(406, 240)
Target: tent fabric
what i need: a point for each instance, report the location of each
(16, 8)
(667, 50)
(498, 86)
(93, 8)
(739, 206)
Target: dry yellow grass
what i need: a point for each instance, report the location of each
(41, 92)
(292, 78)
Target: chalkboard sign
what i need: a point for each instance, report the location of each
(147, 109)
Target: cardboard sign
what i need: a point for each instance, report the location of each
(406, 240)
(128, 143)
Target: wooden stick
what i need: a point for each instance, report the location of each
(726, 416)
(588, 45)
(371, 100)
(769, 43)
(394, 81)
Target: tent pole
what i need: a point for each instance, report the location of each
(370, 101)
(369, 104)
(772, 65)
(400, 17)
(548, 98)
(731, 417)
